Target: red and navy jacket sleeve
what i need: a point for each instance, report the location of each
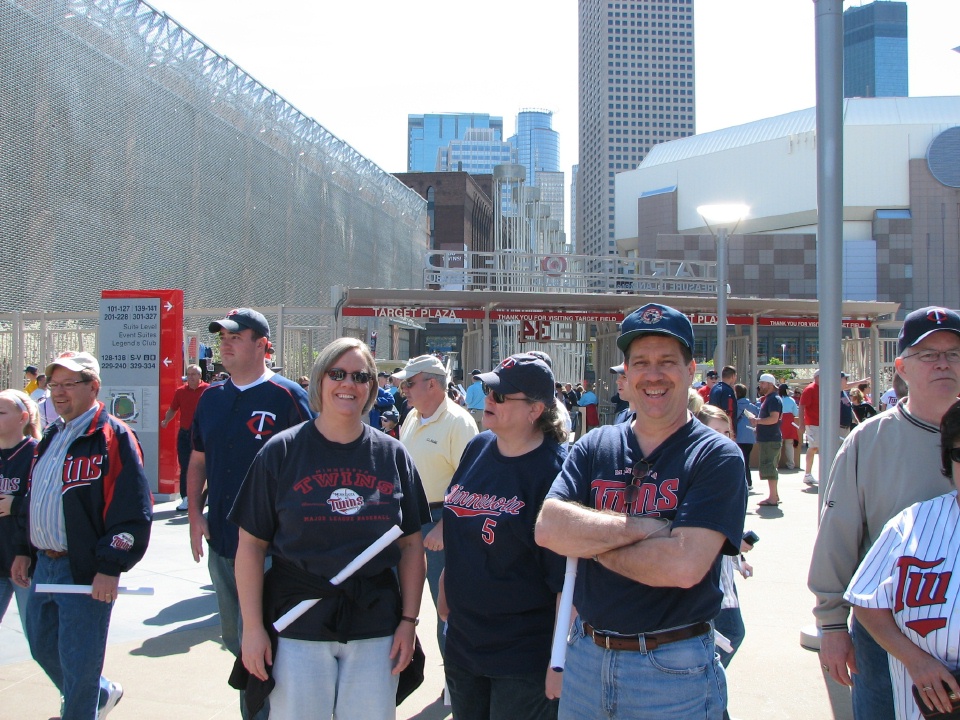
(127, 510)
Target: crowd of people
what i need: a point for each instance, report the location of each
(324, 506)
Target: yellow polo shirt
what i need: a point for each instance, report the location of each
(437, 444)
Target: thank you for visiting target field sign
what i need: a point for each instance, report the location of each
(141, 365)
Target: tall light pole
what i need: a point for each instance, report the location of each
(783, 347)
(722, 220)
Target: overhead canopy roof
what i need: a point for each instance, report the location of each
(624, 303)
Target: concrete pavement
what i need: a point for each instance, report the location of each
(165, 649)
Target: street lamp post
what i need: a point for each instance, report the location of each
(783, 347)
(722, 217)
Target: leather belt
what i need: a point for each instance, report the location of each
(55, 554)
(651, 641)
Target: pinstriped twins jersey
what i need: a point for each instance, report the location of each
(909, 570)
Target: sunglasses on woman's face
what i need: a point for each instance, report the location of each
(358, 376)
(500, 398)
(955, 454)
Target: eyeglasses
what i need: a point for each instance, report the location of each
(641, 471)
(500, 398)
(407, 384)
(932, 356)
(954, 454)
(65, 385)
(358, 376)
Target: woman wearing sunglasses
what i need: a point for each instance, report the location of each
(905, 590)
(315, 497)
(500, 586)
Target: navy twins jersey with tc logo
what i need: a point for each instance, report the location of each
(230, 427)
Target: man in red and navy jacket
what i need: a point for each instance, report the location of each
(88, 514)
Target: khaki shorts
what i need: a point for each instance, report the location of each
(769, 454)
(812, 433)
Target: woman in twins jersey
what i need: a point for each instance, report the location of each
(315, 497)
(19, 432)
(906, 592)
(500, 586)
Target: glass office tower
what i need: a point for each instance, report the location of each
(875, 50)
(427, 134)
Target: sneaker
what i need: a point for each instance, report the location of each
(183, 505)
(809, 480)
(114, 693)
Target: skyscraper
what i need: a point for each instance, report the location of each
(427, 134)
(538, 150)
(875, 50)
(477, 153)
(636, 90)
(537, 143)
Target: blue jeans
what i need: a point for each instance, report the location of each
(514, 697)
(231, 627)
(872, 688)
(679, 680)
(68, 639)
(320, 679)
(435, 565)
(9, 589)
(729, 623)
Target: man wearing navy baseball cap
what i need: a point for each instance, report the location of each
(654, 576)
(886, 464)
(233, 420)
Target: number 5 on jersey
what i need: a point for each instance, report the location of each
(487, 531)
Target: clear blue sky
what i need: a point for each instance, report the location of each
(360, 68)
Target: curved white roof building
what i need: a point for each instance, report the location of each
(901, 232)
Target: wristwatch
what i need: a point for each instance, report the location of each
(415, 621)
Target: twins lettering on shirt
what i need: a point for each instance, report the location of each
(9, 485)
(81, 471)
(654, 496)
(917, 588)
(343, 500)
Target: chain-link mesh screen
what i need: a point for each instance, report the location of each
(133, 156)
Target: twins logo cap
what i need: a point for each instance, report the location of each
(655, 319)
(241, 318)
(920, 323)
(522, 373)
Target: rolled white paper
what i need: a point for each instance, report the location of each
(285, 620)
(558, 653)
(722, 642)
(88, 589)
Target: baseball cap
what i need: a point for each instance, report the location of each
(712, 374)
(543, 356)
(618, 369)
(655, 319)
(237, 320)
(31, 369)
(383, 374)
(522, 373)
(75, 362)
(421, 364)
(390, 415)
(476, 372)
(920, 323)
(767, 377)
